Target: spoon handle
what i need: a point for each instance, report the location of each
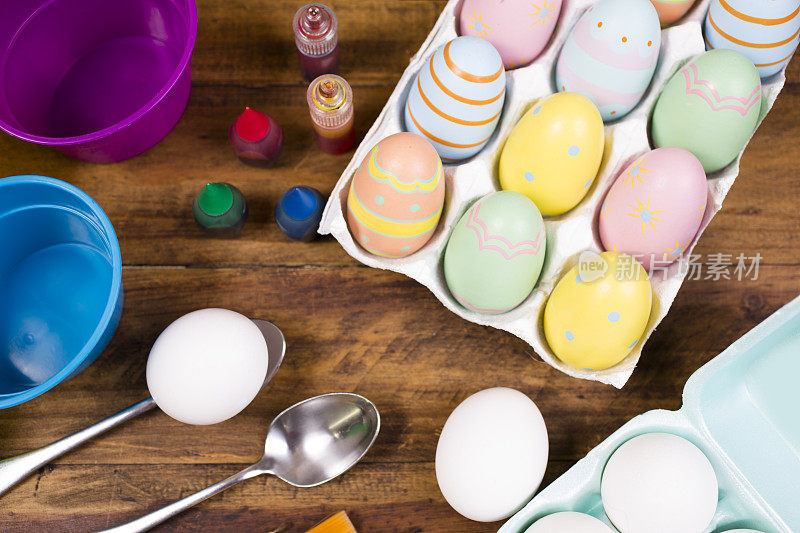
(15, 469)
(153, 519)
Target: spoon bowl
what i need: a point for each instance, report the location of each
(320, 438)
(276, 346)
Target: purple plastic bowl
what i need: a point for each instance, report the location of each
(100, 80)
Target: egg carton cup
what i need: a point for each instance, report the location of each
(739, 409)
(568, 234)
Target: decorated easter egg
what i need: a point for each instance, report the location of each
(598, 311)
(495, 253)
(396, 196)
(671, 10)
(518, 29)
(457, 96)
(553, 153)
(654, 208)
(766, 33)
(610, 55)
(709, 107)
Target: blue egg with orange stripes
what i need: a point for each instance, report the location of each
(396, 196)
(766, 33)
(457, 97)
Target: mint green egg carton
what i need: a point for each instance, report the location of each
(568, 234)
(742, 409)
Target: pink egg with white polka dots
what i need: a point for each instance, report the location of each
(518, 29)
(655, 206)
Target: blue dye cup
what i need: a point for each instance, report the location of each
(60, 284)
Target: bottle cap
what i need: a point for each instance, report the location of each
(330, 101)
(215, 199)
(299, 203)
(252, 125)
(315, 29)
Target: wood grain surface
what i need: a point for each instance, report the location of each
(349, 328)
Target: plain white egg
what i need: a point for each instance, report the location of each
(492, 454)
(569, 522)
(659, 482)
(207, 366)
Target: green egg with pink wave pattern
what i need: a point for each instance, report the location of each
(710, 107)
(495, 253)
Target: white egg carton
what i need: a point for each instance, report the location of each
(567, 234)
(740, 410)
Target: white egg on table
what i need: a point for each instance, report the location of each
(659, 482)
(568, 522)
(492, 454)
(207, 366)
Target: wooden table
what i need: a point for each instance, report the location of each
(349, 328)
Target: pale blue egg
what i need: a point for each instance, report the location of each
(610, 55)
(766, 33)
(456, 98)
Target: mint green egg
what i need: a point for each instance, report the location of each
(495, 253)
(710, 107)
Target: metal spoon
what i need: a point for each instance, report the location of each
(15, 469)
(308, 444)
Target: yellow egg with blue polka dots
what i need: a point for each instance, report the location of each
(554, 152)
(598, 311)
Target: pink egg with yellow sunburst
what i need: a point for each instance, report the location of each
(519, 29)
(655, 206)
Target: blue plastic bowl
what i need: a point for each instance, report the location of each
(60, 284)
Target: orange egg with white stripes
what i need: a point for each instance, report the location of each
(456, 98)
(396, 196)
(766, 33)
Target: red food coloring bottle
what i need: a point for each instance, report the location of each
(256, 138)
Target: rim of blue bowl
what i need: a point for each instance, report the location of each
(186, 57)
(10, 400)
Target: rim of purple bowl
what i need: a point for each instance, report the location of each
(186, 57)
(115, 290)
